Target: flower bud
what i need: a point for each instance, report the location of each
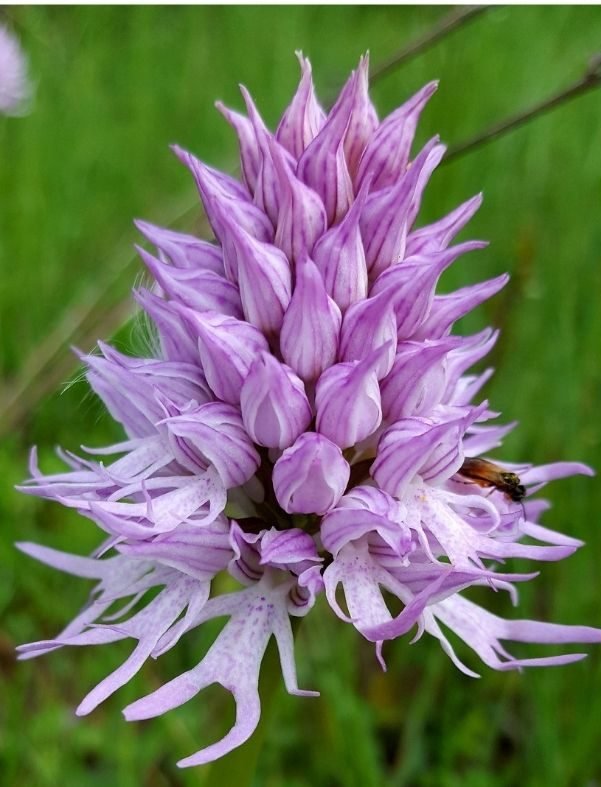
(275, 409)
(310, 476)
(385, 218)
(367, 325)
(387, 155)
(309, 337)
(264, 279)
(323, 165)
(183, 251)
(340, 257)
(363, 120)
(202, 290)
(431, 447)
(227, 348)
(304, 117)
(347, 400)
(301, 216)
(250, 155)
(213, 434)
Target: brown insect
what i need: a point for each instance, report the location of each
(485, 473)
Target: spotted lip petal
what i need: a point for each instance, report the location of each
(302, 424)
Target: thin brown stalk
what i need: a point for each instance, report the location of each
(458, 17)
(588, 81)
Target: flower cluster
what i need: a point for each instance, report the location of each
(14, 83)
(305, 422)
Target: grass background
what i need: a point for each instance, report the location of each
(114, 87)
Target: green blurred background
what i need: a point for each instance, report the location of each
(114, 86)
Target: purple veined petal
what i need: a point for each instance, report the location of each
(245, 565)
(414, 281)
(364, 510)
(275, 408)
(447, 309)
(227, 348)
(281, 547)
(128, 399)
(436, 237)
(311, 326)
(386, 156)
(216, 436)
(197, 552)
(180, 382)
(323, 165)
(264, 279)
(310, 476)
(176, 343)
(363, 121)
(482, 439)
(202, 290)
(340, 257)
(209, 177)
(302, 218)
(347, 399)
(183, 251)
(219, 190)
(432, 161)
(369, 498)
(468, 386)
(416, 381)
(483, 632)
(304, 117)
(250, 154)
(448, 455)
(430, 447)
(384, 220)
(471, 350)
(234, 661)
(367, 325)
(267, 193)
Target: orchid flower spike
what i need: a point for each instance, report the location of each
(308, 424)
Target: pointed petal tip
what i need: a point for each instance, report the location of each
(27, 547)
(181, 154)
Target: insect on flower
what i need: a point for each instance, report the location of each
(485, 473)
